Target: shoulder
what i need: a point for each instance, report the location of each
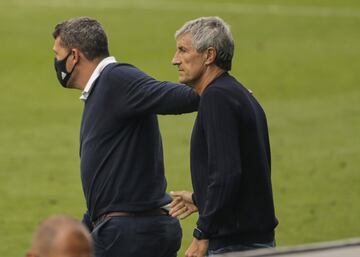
(225, 92)
(124, 76)
(217, 91)
(214, 97)
(212, 92)
(227, 86)
(125, 70)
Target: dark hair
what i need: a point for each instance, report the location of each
(85, 34)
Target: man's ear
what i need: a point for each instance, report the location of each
(76, 54)
(210, 55)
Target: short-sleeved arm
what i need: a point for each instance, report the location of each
(221, 127)
(141, 94)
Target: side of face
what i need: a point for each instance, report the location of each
(191, 64)
(60, 52)
(69, 56)
(71, 243)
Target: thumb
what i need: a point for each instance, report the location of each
(175, 193)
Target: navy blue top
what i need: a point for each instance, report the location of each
(230, 166)
(120, 144)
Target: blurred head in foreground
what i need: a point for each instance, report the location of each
(61, 236)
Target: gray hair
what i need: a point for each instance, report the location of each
(211, 32)
(85, 34)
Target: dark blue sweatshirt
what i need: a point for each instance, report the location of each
(230, 166)
(120, 144)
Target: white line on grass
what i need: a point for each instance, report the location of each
(214, 8)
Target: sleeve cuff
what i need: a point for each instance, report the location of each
(193, 199)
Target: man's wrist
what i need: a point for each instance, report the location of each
(200, 235)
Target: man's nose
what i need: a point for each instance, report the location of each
(175, 60)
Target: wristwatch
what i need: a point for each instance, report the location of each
(200, 235)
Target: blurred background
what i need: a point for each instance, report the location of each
(301, 58)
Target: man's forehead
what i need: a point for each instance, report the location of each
(57, 42)
(184, 39)
(58, 46)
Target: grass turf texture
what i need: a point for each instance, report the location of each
(301, 59)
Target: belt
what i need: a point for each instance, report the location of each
(154, 212)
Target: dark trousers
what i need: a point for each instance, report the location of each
(149, 236)
(240, 248)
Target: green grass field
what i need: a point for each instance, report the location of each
(301, 59)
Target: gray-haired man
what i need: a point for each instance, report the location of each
(230, 152)
(122, 168)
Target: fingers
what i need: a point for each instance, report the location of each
(197, 249)
(190, 252)
(185, 195)
(181, 205)
(190, 210)
(181, 209)
(178, 209)
(177, 193)
(182, 212)
(186, 214)
(175, 202)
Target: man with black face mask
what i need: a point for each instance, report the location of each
(61, 71)
(121, 155)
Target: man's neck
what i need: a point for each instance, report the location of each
(86, 72)
(209, 76)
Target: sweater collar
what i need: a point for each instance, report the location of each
(99, 68)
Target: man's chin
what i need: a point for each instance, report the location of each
(185, 82)
(71, 84)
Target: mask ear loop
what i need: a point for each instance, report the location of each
(65, 57)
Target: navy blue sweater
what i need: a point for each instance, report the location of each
(120, 144)
(230, 166)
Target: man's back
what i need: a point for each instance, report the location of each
(121, 149)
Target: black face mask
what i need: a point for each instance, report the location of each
(60, 67)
